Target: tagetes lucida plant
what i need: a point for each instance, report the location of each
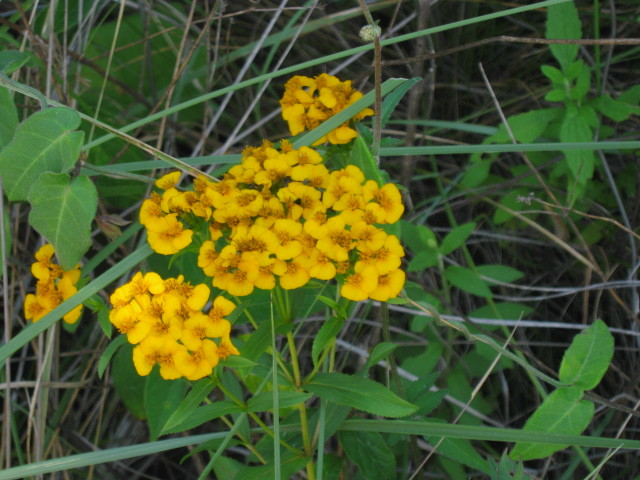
(278, 219)
(53, 286)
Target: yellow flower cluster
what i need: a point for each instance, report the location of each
(282, 214)
(54, 286)
(307, 102)
(163, 318)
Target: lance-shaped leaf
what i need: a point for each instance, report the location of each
(47, 141)
(563, 411)
(587, 359)
(360, 393)
(62, 211)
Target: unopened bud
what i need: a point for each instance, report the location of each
(368, 33)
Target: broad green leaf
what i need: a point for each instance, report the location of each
(111, 349)
(161, 399)
(456, 238)
(460, 451)
(12, 60)
(476, 173)
(227, 468)
(8, 119)
(391, 101)
(564, 412)
(423, 260)
(327, 332)
(128, 384)
(62, 212)
(44, 142)
(563, 23)
(500, 273)
(587, 359)
(361, 157)
(467, 280)
(6, 218)
(195, 397)
(263, 401)
(526, 127)
(370, 452)
(380, 352)
(553, 74)
(420, 394)
(501, 310)
(360, 393)
(289, 464)
(203, 415)
(575, 128)
(614, 109)
(418, 237)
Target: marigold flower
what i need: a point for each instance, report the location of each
(166, 235)
(359, 285)
(308, 102)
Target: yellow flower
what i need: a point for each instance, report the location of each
(308, 102)
(359, 285)
(389, 286)
(221, 308)
(337, 241)
(43, 268)
(201, 326)
(151, 209)
(168, 181)
(166, 235)
(33, 310)
(130, 321)
(226, 348)
(198, 364)
(207, 257)
(286, 231)
(368, 237)
(158, 350)
(388, 199)
(293, 274)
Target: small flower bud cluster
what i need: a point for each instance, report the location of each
(54, 286)
(164, 319)
(307, 102)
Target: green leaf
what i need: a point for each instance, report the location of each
(161, 398)
(467, 280)
(461, 451)
(588, 357)
(564, 412)
(526, 127)
(456, 238)
(423, 260)
(12, 60)
(195, 397)
(289, 465)
(8, 119)
(380, 352)
(361, 157)
(360, 393)
(203, 415)
(327, 332)
(575, 128)
(128, 384)
(476, 173)
(109, 352)
(391, 101)
(614, 109)
(553, 74)
(369, 451)
(62, 212)
(418, 237)
(563, 23)
(44, 142)
(499, 273)
(6, 218)
(263, 401)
